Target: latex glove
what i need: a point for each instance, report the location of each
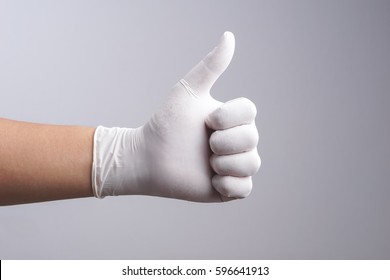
(194, 148)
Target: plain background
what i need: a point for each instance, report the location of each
(318, 71)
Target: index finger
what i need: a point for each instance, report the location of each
(232, 113)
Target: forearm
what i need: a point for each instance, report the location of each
(44, 162)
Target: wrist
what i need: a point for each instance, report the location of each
(118, 164)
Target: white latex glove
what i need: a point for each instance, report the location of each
(194, 148)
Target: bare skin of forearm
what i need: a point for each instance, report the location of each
(41, 162)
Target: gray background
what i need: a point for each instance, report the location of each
(319, 72)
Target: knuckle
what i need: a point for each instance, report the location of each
(252, 136)
(249, 106)
(246, 189)
(257, 163)
(254, 163)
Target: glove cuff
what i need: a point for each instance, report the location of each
(114, 161)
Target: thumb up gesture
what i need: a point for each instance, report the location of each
(193, 148)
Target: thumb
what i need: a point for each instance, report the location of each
(202, 77)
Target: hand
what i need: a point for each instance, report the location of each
(194, 148)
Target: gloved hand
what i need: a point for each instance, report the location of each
(194, 148)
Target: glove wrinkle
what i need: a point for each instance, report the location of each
(189, 90)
